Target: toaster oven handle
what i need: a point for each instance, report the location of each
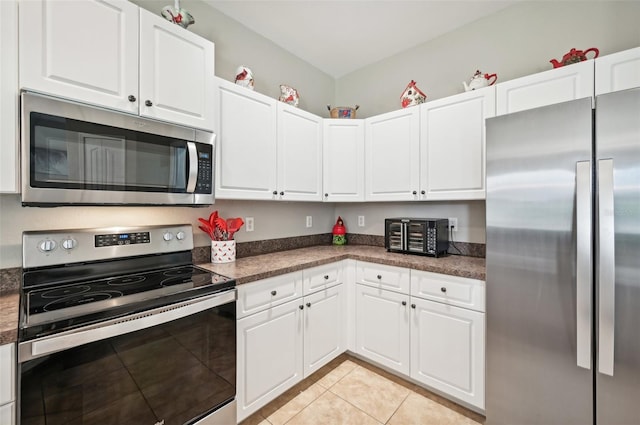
(193, 167)
(29, 350)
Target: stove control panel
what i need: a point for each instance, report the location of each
(46, 248)
(114, 239)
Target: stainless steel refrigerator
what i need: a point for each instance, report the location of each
(563, 264)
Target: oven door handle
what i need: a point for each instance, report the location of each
(29, 350)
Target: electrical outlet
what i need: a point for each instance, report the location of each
(360, 221)
(249, 224)
(453, 224)
(309, 221)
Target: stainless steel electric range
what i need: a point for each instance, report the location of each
(117, 326)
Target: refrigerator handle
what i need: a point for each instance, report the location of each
(583, 263)
(606, 268)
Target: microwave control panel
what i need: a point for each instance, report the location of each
(204, 183)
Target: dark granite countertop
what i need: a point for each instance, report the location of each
(250, 269)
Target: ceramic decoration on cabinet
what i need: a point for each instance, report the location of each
(452, 145)
(392, 162)
(558, 85)
(9, 145)
(343, 160)
(122, 57)
(618, 71)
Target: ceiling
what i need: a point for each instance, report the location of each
(339, 37)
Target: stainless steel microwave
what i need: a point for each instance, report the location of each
(75, 154)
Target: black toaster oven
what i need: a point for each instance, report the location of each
(422, 236)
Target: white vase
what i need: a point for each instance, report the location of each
(223, 251)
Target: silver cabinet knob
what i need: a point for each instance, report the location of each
(273, 293)
(309, 305)
(132, 98)
(443, 289)
(326, 277)
(379, 276)
(148, 102)
(404, 303)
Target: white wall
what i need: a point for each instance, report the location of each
(271, 65)
(272, 220)
(517, 41)
(470, 215)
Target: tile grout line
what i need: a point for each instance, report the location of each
(399, 406)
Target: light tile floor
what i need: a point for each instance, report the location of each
(350, 391)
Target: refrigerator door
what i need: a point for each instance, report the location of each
(533, 375)
(617, 257)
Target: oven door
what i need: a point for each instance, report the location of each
(76, 154)
(172, 365)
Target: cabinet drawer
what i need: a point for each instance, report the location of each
(386, 277)
(8, 414)
(7, 372)
(321, 277)
(452, 290)
(266, 293)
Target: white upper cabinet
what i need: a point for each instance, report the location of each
(299, 164)
(266, 149)
(452, 145)
(618, 71)
(246, 143)
(392, 152)
(343, 160)
(113, 54)
(558, 85)
(176, 73)
(85, 51)
(9, 160)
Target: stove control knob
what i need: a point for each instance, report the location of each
(168, 236)
(47, 245)
(180, 235)
(69, 244)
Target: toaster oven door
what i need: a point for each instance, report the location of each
(395, 235)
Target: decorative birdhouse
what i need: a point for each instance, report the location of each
(339, 233)
(412, 95)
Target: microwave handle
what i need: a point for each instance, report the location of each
(193, 167)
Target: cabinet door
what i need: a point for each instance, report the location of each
(81, 50)
(447, 350)
(324, 327)
(546, 88)
(246, 143)
(452, 145)
(176, 73)
(392, 165)
(299, 164)
(10, 159)
(269, 355)
(343, 160)
(382, 327)
(619, 71)
(7, 414)
(7, 372)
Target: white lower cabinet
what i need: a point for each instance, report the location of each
(382, 327)
(7, 384)
(269, 355)
(447, 349)
(282, 340)
(324, 327)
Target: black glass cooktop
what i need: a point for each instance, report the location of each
(59, 302)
